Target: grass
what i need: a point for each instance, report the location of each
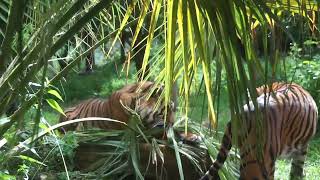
(312, 164)
(100, 83)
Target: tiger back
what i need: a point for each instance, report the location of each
(289, 118)
(150, 108)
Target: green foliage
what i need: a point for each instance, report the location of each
(100, 83)
(199, 112)
(304, 70)
(50, 154)
(51, 150)
(6, 176)
(120, 153)
(195, 33)
(55, 105)
(51, 116)
(26, 63)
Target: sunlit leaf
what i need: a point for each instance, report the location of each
(53, 103)
(55, 93)
(6, 176)
(32, 160)
(176, 149)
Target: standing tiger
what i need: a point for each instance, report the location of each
(289, 116)
(149, 107)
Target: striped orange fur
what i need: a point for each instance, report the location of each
(134, 96)
(289, 118)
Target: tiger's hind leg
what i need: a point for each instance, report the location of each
(298, 159)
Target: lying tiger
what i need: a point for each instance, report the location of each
(134, 96)
(289, 117)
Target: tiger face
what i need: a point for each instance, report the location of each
(154, 114)
(145, 98)
(152, 109)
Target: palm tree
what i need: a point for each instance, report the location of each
(200, 37)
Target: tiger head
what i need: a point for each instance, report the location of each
(148, 102)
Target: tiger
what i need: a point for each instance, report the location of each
(288, 115)
(134, 96)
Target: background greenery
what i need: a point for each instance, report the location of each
(217, 52)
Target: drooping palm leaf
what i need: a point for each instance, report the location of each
(201, 42)
(39, 54)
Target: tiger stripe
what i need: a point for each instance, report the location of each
(289, 116)
(134, 96)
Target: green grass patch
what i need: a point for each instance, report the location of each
(100, 83)
(311, 167)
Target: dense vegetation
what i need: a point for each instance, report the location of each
(55, 54)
